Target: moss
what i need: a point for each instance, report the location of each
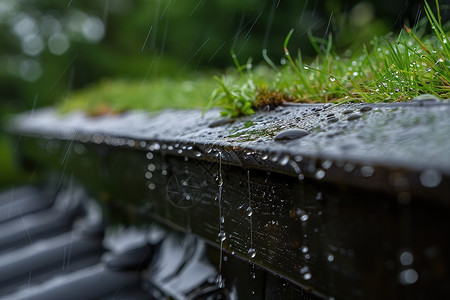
(116, 96)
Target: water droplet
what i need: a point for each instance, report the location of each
(155, 146)
(304, 249)
(320, 174)
(151, 167)
(249, 211)
(219, 180)
(430, 178)
(354, 116)
(332, 79)
(305, 67)
(295, 166)
(264, 156)
(222, 236)
(148, 175)
(197, 153)
(348, 167)
(304, 218)
(326, 164)
(307, 276)
(151, 186)
(149, 155)
(253, 275)
(330, 257)
(97, 138)
(131, 143)
(298, 158)
(408, 276)
(284, 160)
(367, 171)
(290, 134)
(406, 258)
(319, 196)
(222, 220)
(301, 177)
(252, 252)
(220, 282)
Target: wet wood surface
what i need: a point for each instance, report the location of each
(334, 241)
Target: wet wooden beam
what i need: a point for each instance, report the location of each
(345, 216)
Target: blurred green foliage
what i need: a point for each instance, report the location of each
(49, 49)
(116, 96)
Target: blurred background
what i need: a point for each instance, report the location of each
(51, 48)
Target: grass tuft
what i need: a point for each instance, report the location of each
(389, 69)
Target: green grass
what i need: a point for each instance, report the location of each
(389, 69)
(116, 96)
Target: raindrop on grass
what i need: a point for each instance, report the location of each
(332, 79)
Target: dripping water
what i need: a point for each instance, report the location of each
(222, 236)
(251, 251)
